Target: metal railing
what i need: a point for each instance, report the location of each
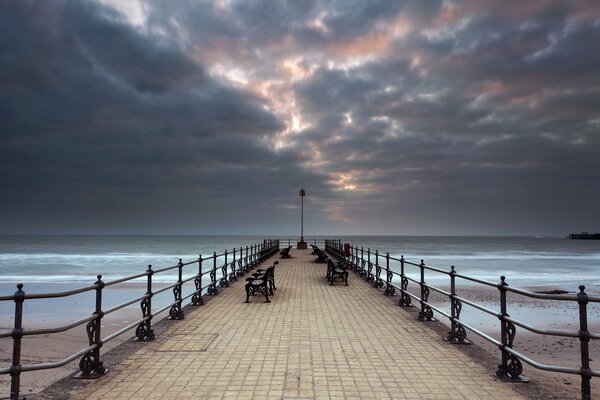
(222, 269)
(293, 240)
(366, 263)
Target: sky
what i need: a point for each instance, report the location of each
(475, 117)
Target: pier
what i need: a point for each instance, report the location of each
(313, 340)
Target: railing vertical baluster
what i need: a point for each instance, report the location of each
(362, 262)
(176, 313)
(389, 289)
(503, 328)
(426, 313)
(197, 299)
(212, 290)
(233, 275)
(584, 338)
(224, 281)
(17, 334)
(458, 333)
(144, 330)
(378, 282)
(247, 264)
(90, 364)
(511, 367)
(240, 270)
(405, 299)
(369, 266)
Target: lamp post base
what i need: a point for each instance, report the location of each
(302, 245)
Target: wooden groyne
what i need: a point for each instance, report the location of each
(584, 236)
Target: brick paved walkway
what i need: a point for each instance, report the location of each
(312, 341)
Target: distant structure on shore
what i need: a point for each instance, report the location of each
(585, 236)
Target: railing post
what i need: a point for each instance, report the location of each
(405, 299)
(584, 338)
(197, 299)
(241, 271)
(370, 276)
(426, 313)
(378, 282)
(511, 367)
(458, 334)
(363, 271)
(233, 275)
(176, 312)
(389, 289)
(17, 335)
(90, 365)
(247, 264)
(212, 289)
(224, 282)
(144, 330)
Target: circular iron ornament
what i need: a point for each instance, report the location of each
(86, 365)
(197, 299)
(460, 334)
(428, 313)
(514, 367)
(141, 331)
(174, 313)
(405, 301)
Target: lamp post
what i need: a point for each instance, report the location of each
(302, 244)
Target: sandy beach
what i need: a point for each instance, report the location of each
(58, 346)
(546, 349)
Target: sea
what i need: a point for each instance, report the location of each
(55, 263)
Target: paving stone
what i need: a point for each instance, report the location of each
(313, 341)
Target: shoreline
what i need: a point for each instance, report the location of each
(545, 349)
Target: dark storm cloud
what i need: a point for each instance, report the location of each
(201, 116)
(100, 121)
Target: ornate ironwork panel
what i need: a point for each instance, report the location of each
(240, 270)
(212, 289)
(224, 281)
(176, 312)
(389, 289)
(405, 299)
(426, 313)
(90, 362)
(144, 330)
(458, 332)
(197, 298)
(378, 281)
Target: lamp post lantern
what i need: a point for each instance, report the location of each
(302, 243)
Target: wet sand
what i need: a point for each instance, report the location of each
(542, 314)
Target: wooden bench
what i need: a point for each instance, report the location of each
(263, 281)
(336, 272)
(285, 253)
